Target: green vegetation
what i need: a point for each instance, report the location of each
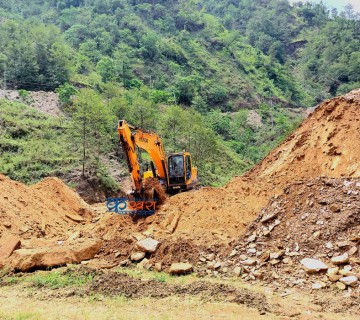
(58, 279)
(189, 70)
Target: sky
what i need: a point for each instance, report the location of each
(338, 4)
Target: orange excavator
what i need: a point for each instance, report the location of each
(174, 172)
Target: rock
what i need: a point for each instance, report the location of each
(333, 271)
(349, 281)
(258, 274)
(334, 277)
(287, 260)
(44, 257)
(340, 259)
(252, 238)
(340, 286)
(318, 285)
(117, 254)
(273, 262)
(237, 271)
(174, 222)
(313, 265)
(180, 268)
(7, 224)
(144, 264)
(264, 257)
(137, 256)
(138, 236)
(202, 259)
(217, 265)
(316, 234)
(342, 244)
(123, 263)
(249, 262)
(210, 257)
(269, 217)
(75, 217)
(148, 245)
(7, 247)
(233, 253)
(74, 236)
(334, 208)
(243, 257)
(352, 251)
(158, 266)
(277, 255)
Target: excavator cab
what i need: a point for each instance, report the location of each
(182, 175)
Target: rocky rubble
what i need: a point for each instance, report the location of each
(310, 233)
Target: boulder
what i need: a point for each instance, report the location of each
(313, 265)
(237, 271)
(180, 268)
(75, 217)
(144, 264)
(137, 256)
(349, 281)
(148, 245)
(344, 258)
(44, 257)
(248, 262)
(7, 247)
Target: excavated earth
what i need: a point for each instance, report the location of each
(301, 201)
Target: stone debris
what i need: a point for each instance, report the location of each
(75, 217)
(349, 281)
(144, 264)
(137, 256)
(340, 259)
(180, 268)
(52, 256)
(7, 247)
(313, 265)
(148, 245)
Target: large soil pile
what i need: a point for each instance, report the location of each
(43, 209)
(327, 143)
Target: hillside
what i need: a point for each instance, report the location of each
(326, 144)
(202, 53)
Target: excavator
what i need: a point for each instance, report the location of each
(174, 172)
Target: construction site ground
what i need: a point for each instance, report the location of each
(248, 249)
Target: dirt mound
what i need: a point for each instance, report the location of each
(39, 210)
(312, 219)
(327, 143)
(115, 284)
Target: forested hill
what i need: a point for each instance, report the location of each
(193, 71)
(204, 53)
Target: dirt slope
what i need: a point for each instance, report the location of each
(39, 210)
(327, 143)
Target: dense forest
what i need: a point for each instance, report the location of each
(191, 70)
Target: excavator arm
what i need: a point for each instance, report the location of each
(128, 145)
(130, 137)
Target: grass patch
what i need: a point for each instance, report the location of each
(58, 279)
(157, 276)
(21, 316)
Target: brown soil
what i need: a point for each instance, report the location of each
(38, 210)
(327, 143)
(112, 283)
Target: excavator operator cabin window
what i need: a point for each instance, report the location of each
(176, 166)
(188, 167)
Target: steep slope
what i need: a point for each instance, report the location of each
(327, 143)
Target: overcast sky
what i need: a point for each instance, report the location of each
(338, 4)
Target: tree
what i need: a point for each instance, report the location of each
(92, 124)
